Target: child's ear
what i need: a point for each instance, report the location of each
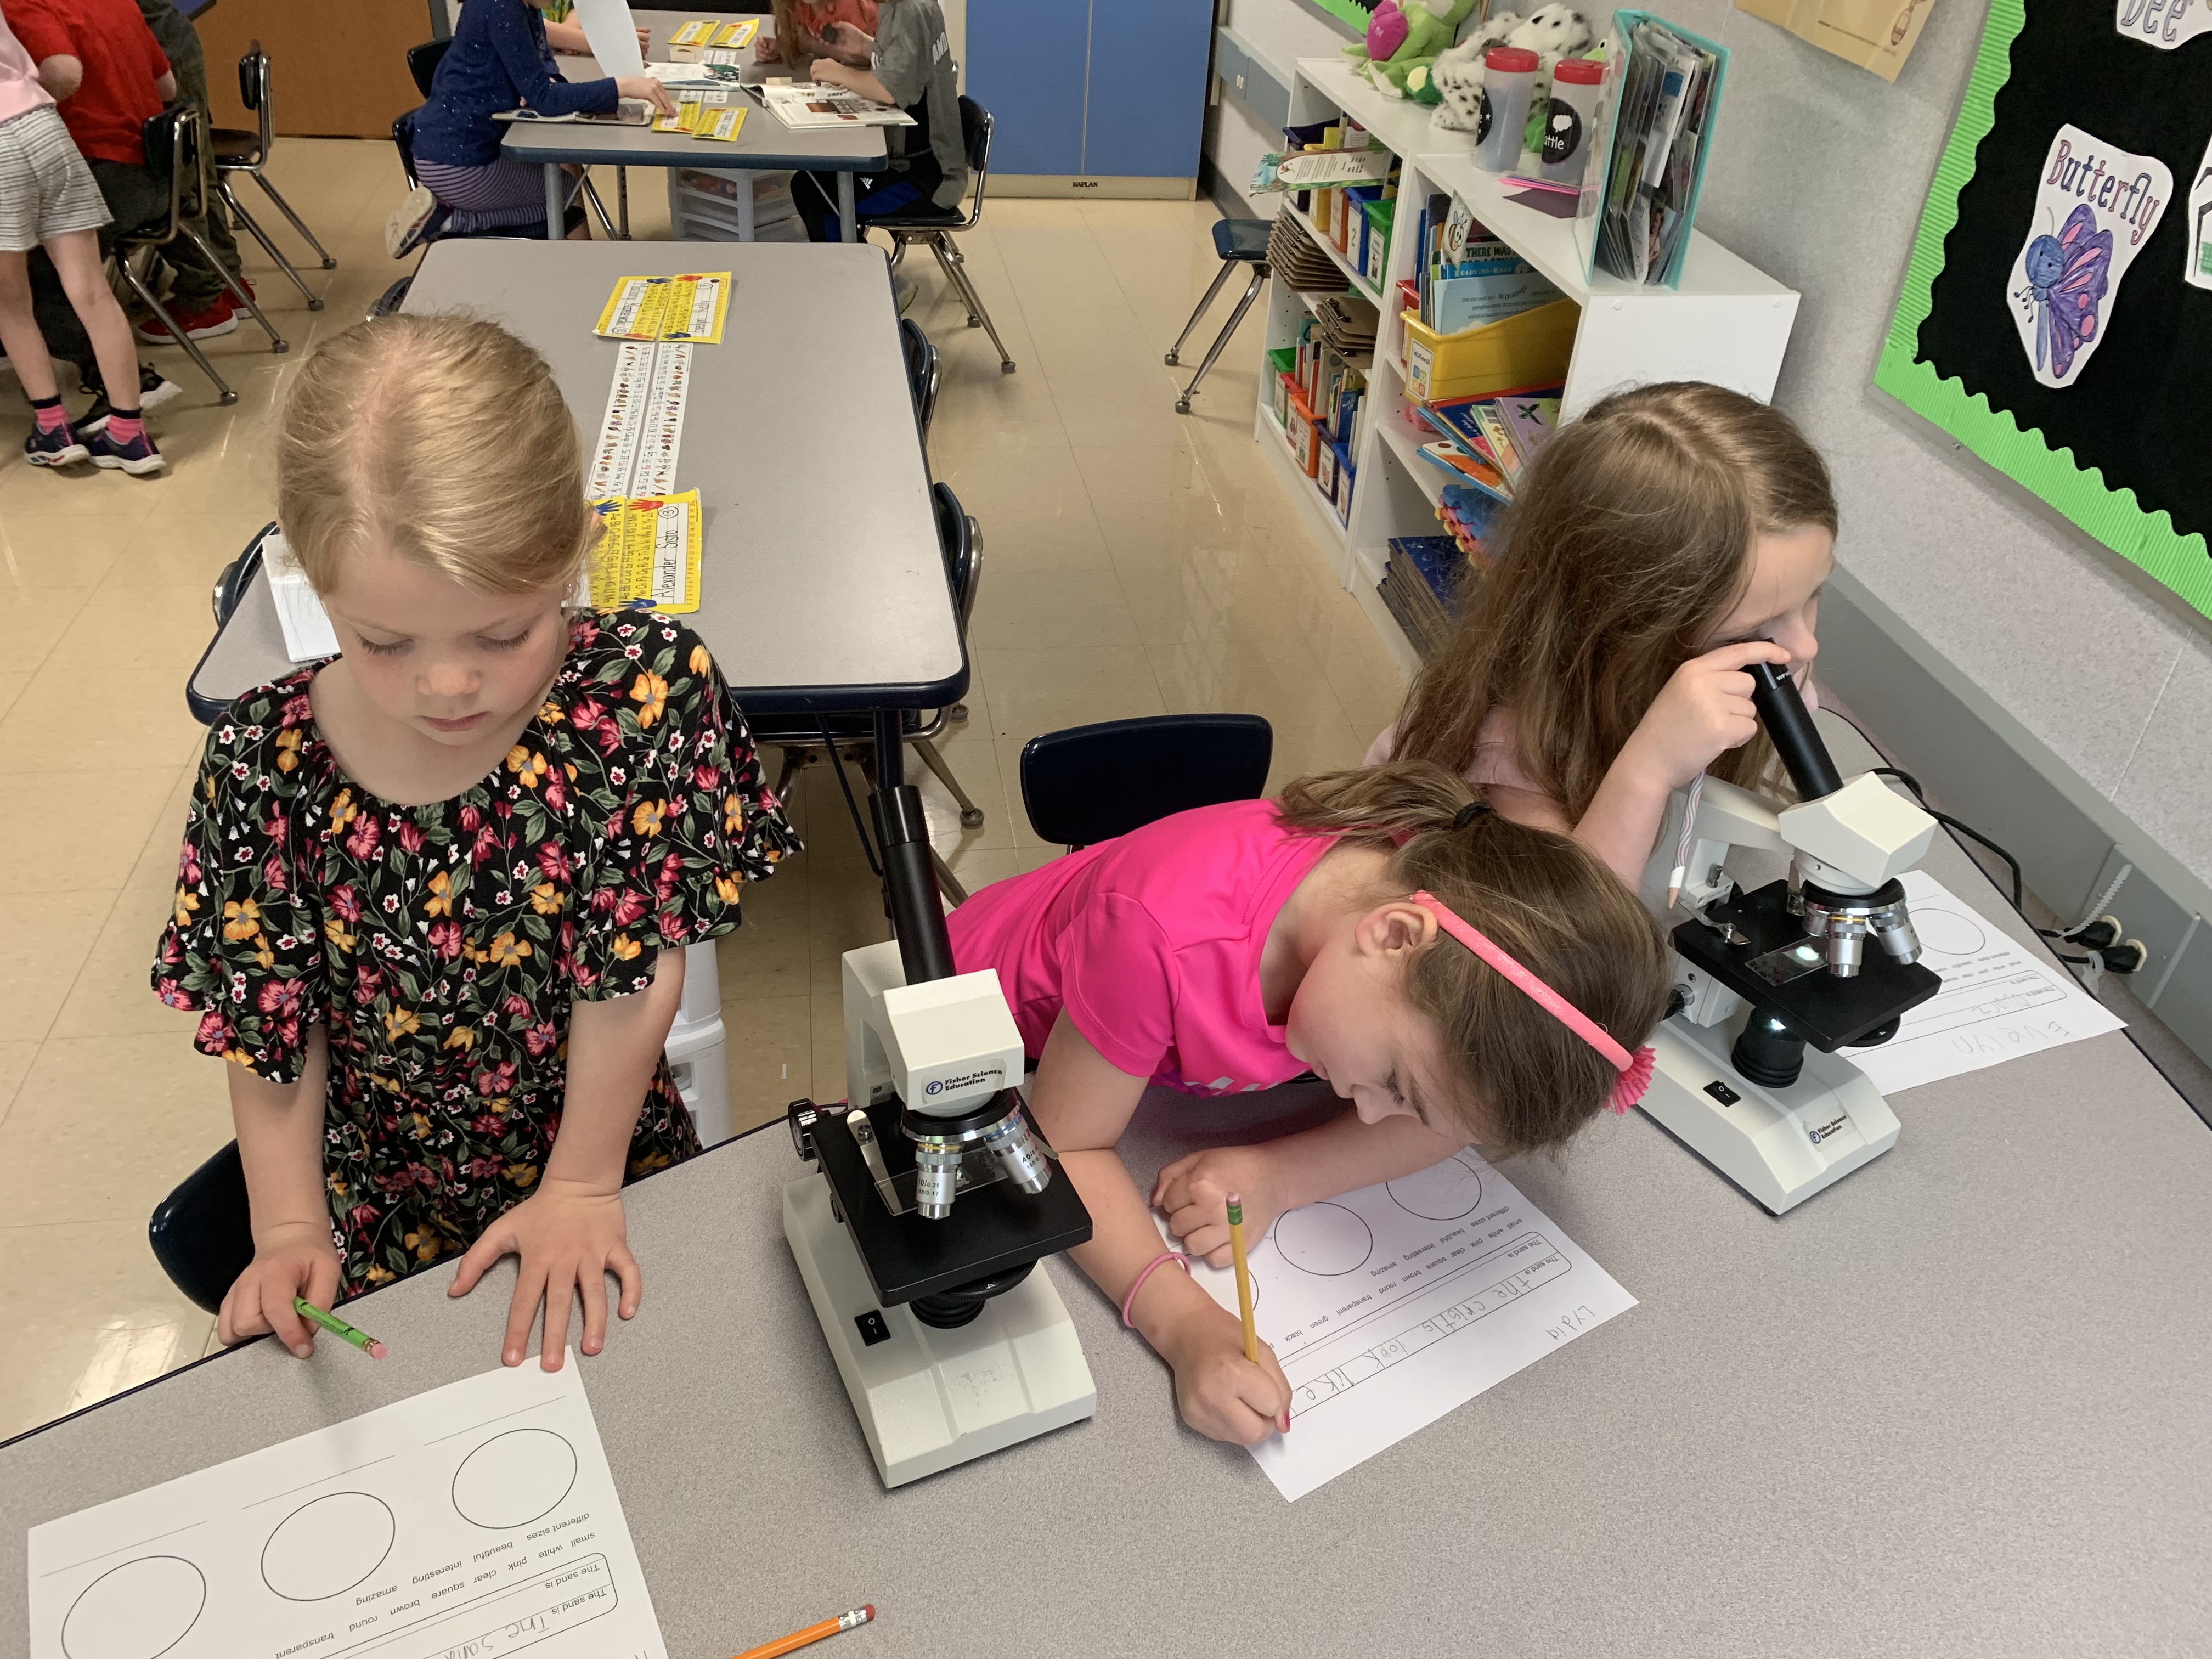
(1400, 928)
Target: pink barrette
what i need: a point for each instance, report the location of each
(1635, 1069)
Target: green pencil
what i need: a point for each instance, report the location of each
(337, 1328)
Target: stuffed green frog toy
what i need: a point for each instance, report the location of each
(1403, 41)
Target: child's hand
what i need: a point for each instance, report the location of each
(765, 48)
(1221, 1394)
(569, 1236)
(648, 89)
(294, 1259)
(1194, 1192)
(1703, 711)
(826, 72)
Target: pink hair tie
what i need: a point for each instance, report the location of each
(1635, 1069)
(1130, 1300)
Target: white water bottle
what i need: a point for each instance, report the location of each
(1570, 119)
(1509, 77)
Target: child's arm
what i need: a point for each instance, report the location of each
(570, 1232)
(280, 1142)
(1083, 1103)
(1703, 711)
(1341, 1156)
(831, 73)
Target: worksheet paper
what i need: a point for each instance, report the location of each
(1998, 1000)
(1392, 1305)
(477, 1520)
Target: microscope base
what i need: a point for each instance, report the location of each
(929, 1399)
(1780, 1146)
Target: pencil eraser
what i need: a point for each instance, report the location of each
(376, 1351)
(1237, 1199)
(869, 1608)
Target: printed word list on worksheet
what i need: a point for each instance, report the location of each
(477, 1520)
(1393, 1305)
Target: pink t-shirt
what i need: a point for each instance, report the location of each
(20, 90)
(1152, 943)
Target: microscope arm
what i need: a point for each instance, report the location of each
(917, 910)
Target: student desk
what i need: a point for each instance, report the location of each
(765, 145)
(1957, 1403)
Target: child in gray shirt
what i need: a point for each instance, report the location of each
(907, 63)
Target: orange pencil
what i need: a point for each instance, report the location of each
(812, 1633)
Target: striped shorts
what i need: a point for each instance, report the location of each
(493, 197)
(45, 189)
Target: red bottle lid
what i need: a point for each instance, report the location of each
(1511, 60)
(1579, 71)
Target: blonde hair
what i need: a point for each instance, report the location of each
(1520, 1079)
(443, 439)
(1631, 538)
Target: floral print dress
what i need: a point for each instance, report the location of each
(443, 945)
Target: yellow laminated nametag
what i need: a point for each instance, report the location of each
(726, 125)
(691, 306)
(686, 119)
(647, 555)
(699, 33)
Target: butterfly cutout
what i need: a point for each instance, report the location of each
(2067, 281)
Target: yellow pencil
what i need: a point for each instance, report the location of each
(1243, 1275)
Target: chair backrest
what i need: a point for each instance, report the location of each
(962, 546)
(403, 140)
(422, 63)
(922, 371)
(238, 575)
(203, 1232)
(176, 155)
(253, 93)
(1090, 783)
(976, 125)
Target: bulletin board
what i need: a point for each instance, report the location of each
(2057, 312)
(1357, 13)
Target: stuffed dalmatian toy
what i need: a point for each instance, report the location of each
(1552, 31)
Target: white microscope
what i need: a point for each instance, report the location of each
(934, 1198)
(1765, 975)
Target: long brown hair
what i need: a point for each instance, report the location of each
(1632, 536)
(1523, 1079)
(786, 26)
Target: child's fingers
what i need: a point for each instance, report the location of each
(633, 1282)
(592, 1282)
(293, 1332)
(559, 1299)
(529, 1292)
(494, 1243)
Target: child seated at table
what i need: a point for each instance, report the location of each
(1456, 976)
(434, 892)
(907, 63)
(795, 35)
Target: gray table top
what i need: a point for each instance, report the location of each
(1958, 1403)
(765, 144)
(822, 581)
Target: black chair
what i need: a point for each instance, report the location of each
(804, 737)
(935, 225)
(177, 156)
(229, 588)
(1091, 783)
(922, 372)
(1238, 241)
(240, 151)
(201, 1234)
(422, 62)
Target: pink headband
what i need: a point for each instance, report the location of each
(1635, 1069)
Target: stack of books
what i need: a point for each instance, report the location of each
(1488, 442)
(1471, 515)
(1422, 582)
(1467, 277)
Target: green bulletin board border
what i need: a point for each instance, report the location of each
(1353, 17)
(2146, 540)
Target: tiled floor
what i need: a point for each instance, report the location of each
(1136, 561)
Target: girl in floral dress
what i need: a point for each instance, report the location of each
(434, 892)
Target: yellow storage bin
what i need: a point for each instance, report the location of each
(1531, 349)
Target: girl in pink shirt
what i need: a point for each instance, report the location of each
(1657, 547)
(1456, 976)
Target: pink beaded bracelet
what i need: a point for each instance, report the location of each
(1130, 1300)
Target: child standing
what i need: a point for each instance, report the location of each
(1658, 546)
(434, 893)
(1456, 976)
(48, 198)
(907, 63)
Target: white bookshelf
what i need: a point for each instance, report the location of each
(1728, 323)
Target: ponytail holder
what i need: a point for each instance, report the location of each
(1468, 813)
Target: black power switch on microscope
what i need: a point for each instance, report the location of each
(1720, 1091)
(873, 1327)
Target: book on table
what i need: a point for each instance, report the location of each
(809, 104)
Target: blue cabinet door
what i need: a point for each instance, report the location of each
(1025, 66)
(1148, 62)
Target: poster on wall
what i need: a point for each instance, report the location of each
(2055, 316)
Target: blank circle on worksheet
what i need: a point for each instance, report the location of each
(326, 1548)
(139, 1610)
(515, 1478)
(1948, 934)
(1442, 1192)
(1326, 1239)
